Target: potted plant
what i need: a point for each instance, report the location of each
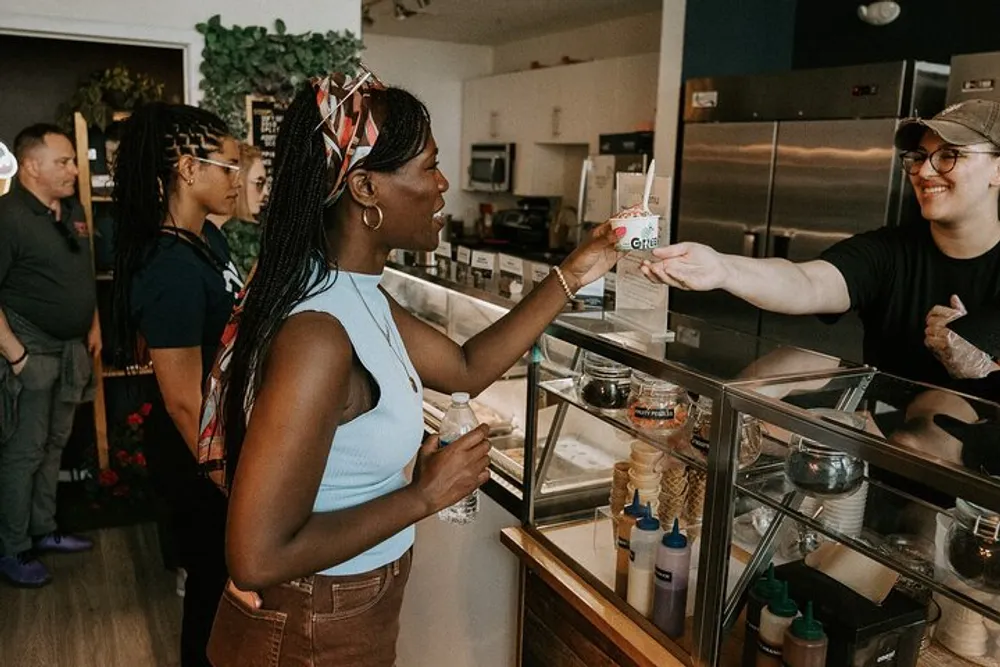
(108, 91)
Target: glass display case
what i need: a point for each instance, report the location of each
(856, 485)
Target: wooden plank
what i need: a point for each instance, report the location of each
(83, 188)
(607, 619)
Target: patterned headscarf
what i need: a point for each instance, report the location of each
(348, 125)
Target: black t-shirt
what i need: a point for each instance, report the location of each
(46, 274)
(895, 276)
(183, 295)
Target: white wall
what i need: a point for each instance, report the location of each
(668, 96)
(171, 22)
(434, 72)
(627, 36)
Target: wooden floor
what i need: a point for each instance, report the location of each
(115, 606)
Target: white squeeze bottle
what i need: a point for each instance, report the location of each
(642, 561)
(458, 421)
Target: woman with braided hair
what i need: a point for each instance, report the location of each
(321, 392)
(175, 166)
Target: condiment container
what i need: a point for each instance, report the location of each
(820, 471)
(765, 589)
(626, 523)
(974, 545)
(774, 620)
(642, 559)
(657, 405)
(673, 566)
(605, 384)
(805, 643)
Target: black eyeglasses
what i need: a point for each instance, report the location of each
(943, 160)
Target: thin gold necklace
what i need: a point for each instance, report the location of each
(385, 333)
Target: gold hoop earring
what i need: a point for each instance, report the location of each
(364, 218)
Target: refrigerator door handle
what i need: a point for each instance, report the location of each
(750, 242)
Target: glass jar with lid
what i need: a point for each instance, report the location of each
(605, 384)
(974, 545)
(657, 405)
(751, 435)
(822, 471)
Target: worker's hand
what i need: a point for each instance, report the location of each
(689, 266)
(960, 358)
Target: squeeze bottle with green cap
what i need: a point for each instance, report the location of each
(626, 522)
(805, 643)
(774, 620)
(761, 593)
(642, 557)
(673, 563)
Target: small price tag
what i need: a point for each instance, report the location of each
(464, 255)
(443, 249)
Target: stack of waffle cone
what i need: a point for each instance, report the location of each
(619, 488)
(673, 493)
(695, 504)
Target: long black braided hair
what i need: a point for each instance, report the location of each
(145, 171)
(294, 256)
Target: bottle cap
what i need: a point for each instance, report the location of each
(768, 586)
(807, 627)
(635, 508)
(674, 539)
(460, 397)
(648, 521)
(782, 605)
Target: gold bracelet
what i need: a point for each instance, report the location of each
(562, 281)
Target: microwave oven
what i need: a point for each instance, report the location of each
(491, 167)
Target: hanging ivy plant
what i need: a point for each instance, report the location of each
(108, 91)
(238, 61)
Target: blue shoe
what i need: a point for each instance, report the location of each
(24, 570)
(63, 543)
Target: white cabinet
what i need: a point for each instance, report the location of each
(569, 106)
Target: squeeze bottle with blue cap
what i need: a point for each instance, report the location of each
(626, 522)
(673, 564)
(642, 559)
(457, 421)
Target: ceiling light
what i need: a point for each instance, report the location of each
(882, 12)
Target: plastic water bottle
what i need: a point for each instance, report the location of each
(458, 421)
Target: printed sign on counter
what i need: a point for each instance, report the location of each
(484, 269)
(463, 268)
(442, 259)
(511, 275)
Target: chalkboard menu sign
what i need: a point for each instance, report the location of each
(264, 116)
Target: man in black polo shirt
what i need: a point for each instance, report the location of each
(48, 335)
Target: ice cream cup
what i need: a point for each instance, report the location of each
(641, 232)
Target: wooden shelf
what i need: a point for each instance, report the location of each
(121, 372)
(104, 276)
(101, 199)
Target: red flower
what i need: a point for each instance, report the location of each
(134, 419)
(120, 490)
(107, 478)
(122, 456)
(139, 460)
(146, 409)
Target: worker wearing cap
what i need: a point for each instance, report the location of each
(928, 293)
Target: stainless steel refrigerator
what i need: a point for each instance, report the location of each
(974, 75)
(785, 165)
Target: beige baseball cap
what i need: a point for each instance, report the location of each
(962, 124)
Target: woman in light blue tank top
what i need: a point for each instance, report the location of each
(319, 385)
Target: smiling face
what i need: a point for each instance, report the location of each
(966, 192)
(410, 198)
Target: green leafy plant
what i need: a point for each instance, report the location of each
(108, 91)
(239, 61)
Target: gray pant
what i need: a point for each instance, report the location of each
(29, 459)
